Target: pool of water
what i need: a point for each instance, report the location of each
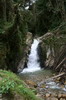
(48, 86)
(37, 76)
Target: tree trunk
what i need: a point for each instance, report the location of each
(3, 10)
(60, 6)
(9, 10)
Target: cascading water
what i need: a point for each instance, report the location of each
(33, 59)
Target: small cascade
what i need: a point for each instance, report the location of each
(33, 63)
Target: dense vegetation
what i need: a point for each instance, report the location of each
(17, 18)
(16, 21)
(12, 85)
(44, 15)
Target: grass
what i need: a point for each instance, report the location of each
(11, 83)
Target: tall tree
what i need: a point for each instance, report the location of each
(2, 10)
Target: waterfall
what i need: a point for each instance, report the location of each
(33, 63)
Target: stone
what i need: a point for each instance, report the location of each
(23, 62)
(38, 95)
(54, 95)
(48, 99)
(47, 95)
(65, 83)
(64, 95)
(31, 83)
(62, 99)
(53, 98)
(59, 95)
(29, 38)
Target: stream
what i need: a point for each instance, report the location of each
(49, 87)
(33, 75)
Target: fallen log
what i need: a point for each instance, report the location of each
(54, 77)
(45, 36)
(60, 63)
(57, 76)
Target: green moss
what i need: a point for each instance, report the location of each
(11, 83)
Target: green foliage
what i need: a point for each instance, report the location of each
(11, 83)
(4, 26)
(57, 41)
(6, 85)
(61, 28)
(48, 16)
(42, 16)
(14, 40)
(1, 26)
(18, 1)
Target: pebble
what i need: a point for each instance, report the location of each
(59, 95)
(29, 82)
(48, 95)
(54, 95)
(64, 95)
(38, 95)
(62, 99)
(48, 99)
(53, 98)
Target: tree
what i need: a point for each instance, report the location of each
(2, 12)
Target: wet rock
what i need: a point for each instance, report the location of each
(54, 95)
(53, 98)
(42, 56)
(64, 95)
(31, 83)
(23, 62)
(62, 99)
(48, 99)
(58, 79)
(38, 95)
(59, 95)
(48, 95)
(29, 38)
(50, 56)
(65, 83)
(43, 86)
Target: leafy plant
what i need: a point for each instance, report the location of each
(6, 85)
(11, 84)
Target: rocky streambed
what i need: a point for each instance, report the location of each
(47, 90)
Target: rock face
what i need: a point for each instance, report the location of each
(46, 55)
(53, 51)
(45, 51)
(28, 42)
(42, 55)
(49, 56)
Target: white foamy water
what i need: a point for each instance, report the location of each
(33, 64)
(54, 85)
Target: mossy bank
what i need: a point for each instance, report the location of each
(14, 88)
